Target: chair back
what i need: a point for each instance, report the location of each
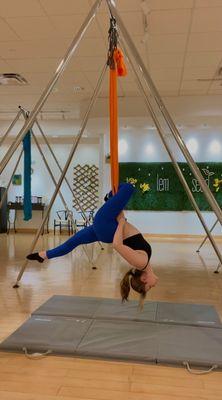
(62, 215)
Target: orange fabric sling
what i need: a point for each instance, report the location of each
(119, 69)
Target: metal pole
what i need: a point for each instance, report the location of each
(55, 183)
(10, 181)
(25, 114)
(66, 180)
(209, 196)
(10, 127)
(71, 50)
(215, 223)
(60, 168)
(176, 166)
(73, 150)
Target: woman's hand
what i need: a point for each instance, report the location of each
(121, 218)
(118, 236)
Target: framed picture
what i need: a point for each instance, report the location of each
(17, 180)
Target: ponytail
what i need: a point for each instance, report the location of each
(125, 285)
(132, 279)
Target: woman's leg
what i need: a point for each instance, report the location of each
(84, 236)
(115, 204)
(105, 222)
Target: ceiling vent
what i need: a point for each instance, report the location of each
(12, 79)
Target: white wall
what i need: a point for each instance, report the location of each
(204, 146)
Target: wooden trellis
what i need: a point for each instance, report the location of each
(86, 186)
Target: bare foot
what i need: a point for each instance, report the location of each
(43, 254)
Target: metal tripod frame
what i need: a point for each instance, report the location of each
(25, 114)
(11, 126)
(175, 164)
(206, 237)
(162, 108)
(10, 180)
(59, 183)
(59, 192)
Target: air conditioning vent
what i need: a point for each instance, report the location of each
(12, 79)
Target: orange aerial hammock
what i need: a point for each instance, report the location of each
(117, 68)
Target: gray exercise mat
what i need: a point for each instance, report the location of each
(119, 340)
(42, 333)
(187, 314)
(153, 342)
(199, 346)
(123, 340)
(115, 309)
(100, 308)
(69, 306)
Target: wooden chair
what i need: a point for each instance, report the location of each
(64, 220)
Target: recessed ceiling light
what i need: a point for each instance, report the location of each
(78, 88)
(150, 127)
(145, 6)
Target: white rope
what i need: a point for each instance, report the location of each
(36, 356)
(198, 372)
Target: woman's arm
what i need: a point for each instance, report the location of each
(134, 257)
(121, 215)
(118, 236)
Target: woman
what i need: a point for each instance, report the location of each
(110, 226)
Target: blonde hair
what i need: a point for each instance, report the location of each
(132, 279)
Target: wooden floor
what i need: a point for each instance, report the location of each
(184, 277)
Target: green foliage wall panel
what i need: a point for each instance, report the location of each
(162, 189)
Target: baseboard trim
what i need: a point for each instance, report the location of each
(34, 230)
(147, 235)
(178, 236)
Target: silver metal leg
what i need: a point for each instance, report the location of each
(10, 180)
(215, 223)
(73, 150)
(55, 183)
(61, 67)
(60, 168)
(25, 114)
(53, 179)
(10, 127)
(162, 108)
(217, 270)
(66, 180)
(176, 166)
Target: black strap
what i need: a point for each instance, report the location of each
(113, 42)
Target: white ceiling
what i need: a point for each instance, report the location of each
(184, 44)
